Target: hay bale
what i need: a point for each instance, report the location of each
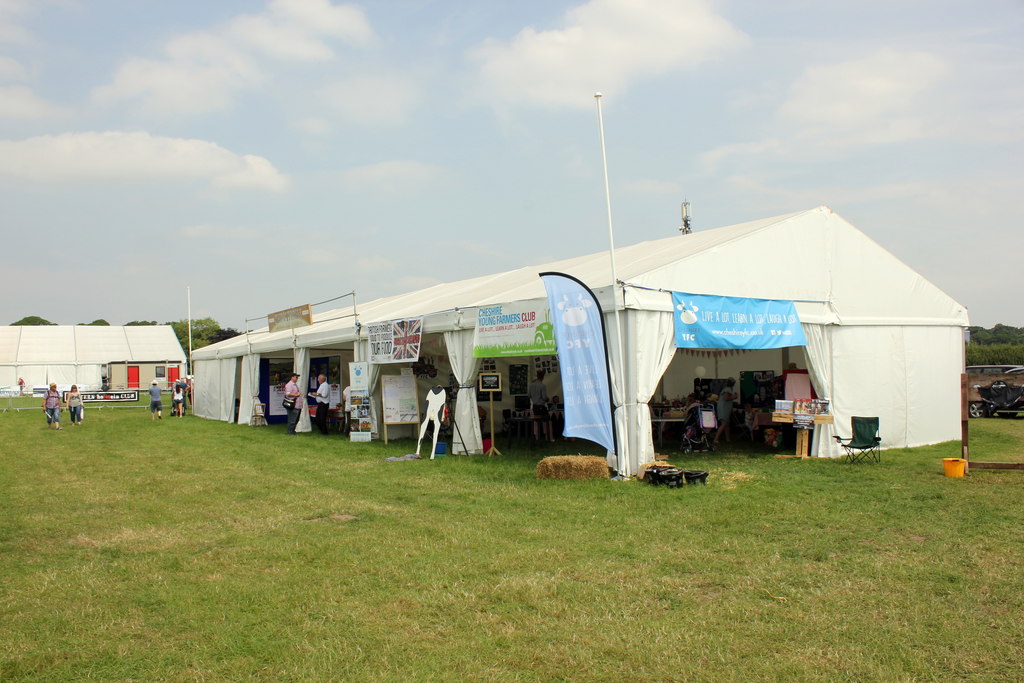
(577, 467)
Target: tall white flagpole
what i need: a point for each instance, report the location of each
(188, 290)
(623, 467)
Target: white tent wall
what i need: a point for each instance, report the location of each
(62, 375)
(466, 439)
(250, 387)
(89, 377)
(228, 371)
(933, 384)
(206, 389)
(34, 375)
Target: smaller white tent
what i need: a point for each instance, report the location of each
(76, 354)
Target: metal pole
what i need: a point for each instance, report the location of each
(615, 284)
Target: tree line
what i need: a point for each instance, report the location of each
(205, 331)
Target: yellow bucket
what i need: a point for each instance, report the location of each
(954, 467)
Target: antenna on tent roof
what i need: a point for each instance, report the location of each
(685, 210)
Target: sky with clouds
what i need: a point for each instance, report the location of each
(269, 154)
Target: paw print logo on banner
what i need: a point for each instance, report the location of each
(689, 314)
(574, 314)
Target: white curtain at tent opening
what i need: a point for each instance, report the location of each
(250, 387)
(649, 363)
(466, 437)
(819, 367)
(621, 462)
(302, 366)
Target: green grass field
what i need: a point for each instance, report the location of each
(194, 550)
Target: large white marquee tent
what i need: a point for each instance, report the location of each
(881, 339)
(76, 354)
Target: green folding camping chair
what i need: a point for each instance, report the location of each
(863, 445)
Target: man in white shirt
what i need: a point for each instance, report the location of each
(323, 402)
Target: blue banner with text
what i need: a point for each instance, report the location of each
(728, 322)
(579, 338)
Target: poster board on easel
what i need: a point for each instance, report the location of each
(490, 383)
(399, 399)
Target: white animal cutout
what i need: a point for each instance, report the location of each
(574, 313)
(435, 412)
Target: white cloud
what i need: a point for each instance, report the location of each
(604, 45)
(12, 70)
(886, 97)
(11, 32)
(19, 102)
(392, 176)
(123, 156)
(204, 71)
(379, 98)
(871, 100)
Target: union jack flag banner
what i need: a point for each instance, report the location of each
(396, 341)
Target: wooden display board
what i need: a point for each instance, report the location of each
(398, 394)
(803, 436)
(490, 382)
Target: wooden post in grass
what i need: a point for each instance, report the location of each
(964, 428)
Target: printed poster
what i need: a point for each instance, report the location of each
(513, 329)
(395, 341)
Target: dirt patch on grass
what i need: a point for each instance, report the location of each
(731, 480)
(336, 517)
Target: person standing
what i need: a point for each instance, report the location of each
(182, 384)
(323, 402)
(156, 404)
(539, 405)
(73, 402)
(178, 400)
(51, 406)
(291, 390)
(346, 408)
(724, 410)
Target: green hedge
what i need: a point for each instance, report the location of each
(995, 354)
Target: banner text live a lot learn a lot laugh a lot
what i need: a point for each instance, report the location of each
(513, 329)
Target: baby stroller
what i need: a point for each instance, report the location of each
(700, 423)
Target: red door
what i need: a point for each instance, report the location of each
(133, 376)
(172, 375)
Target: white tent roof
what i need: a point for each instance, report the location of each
(67, 344)
(835, 273)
